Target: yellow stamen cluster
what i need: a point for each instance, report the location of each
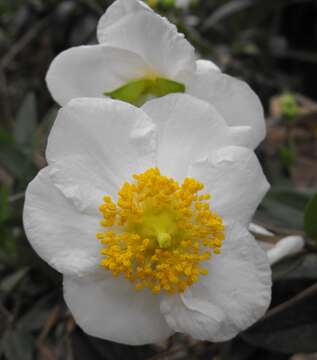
(159, 232)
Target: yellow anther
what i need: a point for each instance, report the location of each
(159, 232)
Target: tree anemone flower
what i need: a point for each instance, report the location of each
(145, 213)
(141, 55)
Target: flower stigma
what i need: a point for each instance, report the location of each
(159, 232)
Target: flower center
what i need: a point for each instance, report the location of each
(159, 232)
(136, 92)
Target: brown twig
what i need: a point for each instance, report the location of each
(287, 304)
(51, 321)
(15, 197)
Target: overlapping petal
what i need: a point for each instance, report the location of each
(97, 144)
(232, 98)
(60, 234)
(157, 41)
(234, 178)
(203, 66)
(188, 129)
(110, 308)
(116, 11)
(234, 294)
(90, 71)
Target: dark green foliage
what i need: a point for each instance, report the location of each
(310, 219)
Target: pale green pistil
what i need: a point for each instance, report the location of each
(138, 91)
(164, 240)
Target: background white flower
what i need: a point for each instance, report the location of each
(109, 141)
(287, 246)
(137, 47)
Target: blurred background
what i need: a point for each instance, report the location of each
(272, 44)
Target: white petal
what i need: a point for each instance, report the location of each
(234, 295)
(265, 245)
(242, 136)
(234, 178)
(97, 144)
(62, 236)
(287, 246)
(257, 229)
(90, 71)
(232, 98)
(85, 190)
(111, 309)
(188, 130)
(118, 10)
(202, 66)
(157, 41)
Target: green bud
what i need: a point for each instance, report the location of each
(290, 108)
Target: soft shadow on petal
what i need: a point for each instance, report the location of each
(69, 175)
(61, 235)
(98, 144)
(117, 10)
(157, 41)
(200, 321)
(90, 71)
(112, 309)
(234, 178)
(242, 136)
(233, 99)
(234, 295)
(188, 130)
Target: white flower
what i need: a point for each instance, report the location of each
(142, 55)
(289, 245)
(163, 236)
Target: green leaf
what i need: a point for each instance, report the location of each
(18, 345)
(10, 282)
(168, 3)
(289, 197)
(310, 218)
(35, 318)
(4, 204)
(136, 92)
(290, 108)
(25, 124)
(284, 207)
(287, 155)
(16, 162)
(5, 137)
(48, 120)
